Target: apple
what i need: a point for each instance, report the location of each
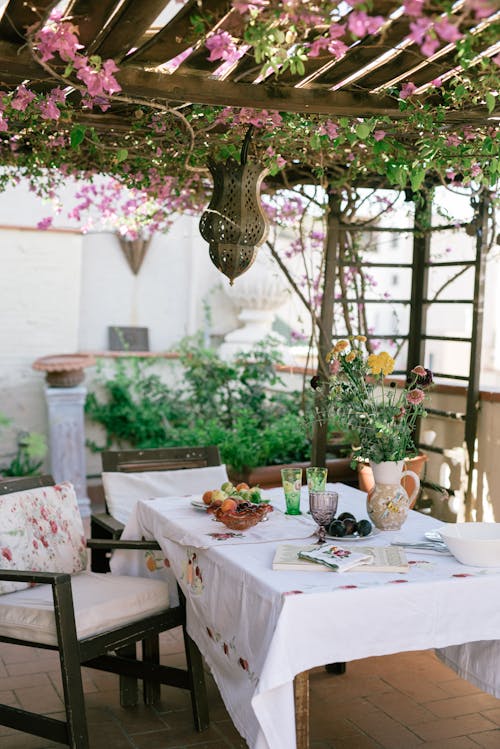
(218, 494)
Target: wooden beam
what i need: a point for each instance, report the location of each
(180, 87)
(190, 88)
(91, 16)
(127, 27)
(177, 35)
(17, 61)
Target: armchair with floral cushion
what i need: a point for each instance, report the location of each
(49, 599)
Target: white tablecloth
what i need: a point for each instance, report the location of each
(258, 628)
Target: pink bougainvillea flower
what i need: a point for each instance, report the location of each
(329, 128)
(496, 59)
(414, 7)
(447, 31)
(48, 109)
(437, 82)
(4, 124)
(221, 46)
(108, 81)
(475, 170)
(45, 223)
(22, 98)
(407, 90)
(419, 29)
(331, 42)
(379, 134)
(360, 23)
(415, 397)
(429, 46)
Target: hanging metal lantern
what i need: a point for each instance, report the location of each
(234, 224)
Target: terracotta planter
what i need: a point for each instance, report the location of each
(267, 477)
(416, 464)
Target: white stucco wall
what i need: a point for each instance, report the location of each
(60, 291)
(40, 291)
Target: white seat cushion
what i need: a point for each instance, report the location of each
(123, 490)
(102, 602)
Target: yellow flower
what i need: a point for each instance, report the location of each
(340, 346)
(361, 338)
(330, 355)
(381, 363)
(351, 356)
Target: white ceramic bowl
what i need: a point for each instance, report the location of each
(475, 544)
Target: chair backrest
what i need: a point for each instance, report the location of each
(40, 528)
(24, 483)
(131, 475)
(160, 459)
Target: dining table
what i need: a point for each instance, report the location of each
(262, 630)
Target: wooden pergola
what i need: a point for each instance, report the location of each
(162, 58)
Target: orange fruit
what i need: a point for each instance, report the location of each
(242, 486)
(207, 497)
(228, 505)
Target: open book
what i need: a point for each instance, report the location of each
(376, 559)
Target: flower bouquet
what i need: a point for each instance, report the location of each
(379, 416)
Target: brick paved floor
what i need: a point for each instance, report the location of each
(395, 702)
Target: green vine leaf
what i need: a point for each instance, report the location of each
(77, 135)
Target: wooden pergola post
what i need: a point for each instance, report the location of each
(333, 236)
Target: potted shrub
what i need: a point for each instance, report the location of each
(238, 406)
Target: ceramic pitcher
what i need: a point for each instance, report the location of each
(388, 502)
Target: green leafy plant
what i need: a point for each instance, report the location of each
(29, 455)
(236, 405)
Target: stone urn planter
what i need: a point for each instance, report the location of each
(64, 370)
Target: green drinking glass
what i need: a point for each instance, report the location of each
(316, 479)
(291, 478)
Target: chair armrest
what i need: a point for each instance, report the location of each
(108, 544)
(108, 523)
(27, 576)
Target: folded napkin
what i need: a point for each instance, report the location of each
(177, 520)
(336, 557)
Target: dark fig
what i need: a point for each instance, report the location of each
(336, 528)
(346, 516)
(364, 527)
(351, 526)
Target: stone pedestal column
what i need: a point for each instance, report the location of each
(67, 439)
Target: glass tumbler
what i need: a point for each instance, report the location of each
(291, 478)
(316, 479)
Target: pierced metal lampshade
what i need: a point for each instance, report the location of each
(234, 224)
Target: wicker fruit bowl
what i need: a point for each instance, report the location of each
(243, 516)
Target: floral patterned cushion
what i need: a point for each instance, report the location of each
(41, 530)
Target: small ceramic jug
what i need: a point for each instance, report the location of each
(388, 502)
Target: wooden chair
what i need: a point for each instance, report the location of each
(104, 525)
(102, 646)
